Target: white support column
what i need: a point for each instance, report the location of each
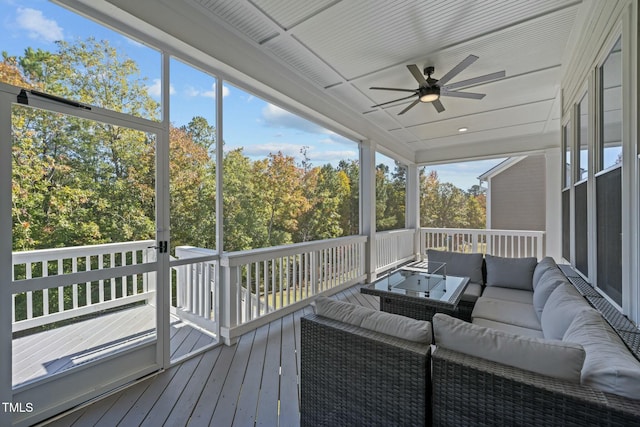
(163, 275)
(223, 301)
(368, 205)
(553, 202)
(6, 298)
(412, 217)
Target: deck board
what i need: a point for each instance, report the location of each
(267, 411)
(45, 353)
(252, 383)
(208, 400)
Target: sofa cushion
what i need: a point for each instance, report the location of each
(549, 281)
(514, 273)
(459, 264)
(564, 303)
(552, 358)
(378, 321)
(511, 312)
(508, 294)
(518, 330)
(545, 264)
(472, 292)
(608, 366)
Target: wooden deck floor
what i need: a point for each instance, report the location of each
(253, 383)
(45, 353)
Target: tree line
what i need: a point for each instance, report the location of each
(78, 182)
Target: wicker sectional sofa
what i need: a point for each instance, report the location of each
(535, 353)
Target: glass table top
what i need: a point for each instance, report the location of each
(423, 281)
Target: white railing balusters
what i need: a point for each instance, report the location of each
(34, 306)
(506, 243)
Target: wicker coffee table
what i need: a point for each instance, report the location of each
(414, 291)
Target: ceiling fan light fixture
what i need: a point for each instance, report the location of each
(429, 94)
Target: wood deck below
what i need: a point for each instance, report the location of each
(252, 383)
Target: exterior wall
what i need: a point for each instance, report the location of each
(518, 200)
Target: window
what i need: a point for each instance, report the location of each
(610, 144)
(609, 181)
(583, 139)
(391, 191)
(566, 192)
(581, 247)
(566, 142)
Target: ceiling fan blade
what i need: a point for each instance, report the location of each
(457, 69)
(469, 95)
(410, 106)
(417, 74)
(391, 102)
(438, 106)
(476, 80)
(393, 88)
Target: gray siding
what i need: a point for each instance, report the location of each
(518, 196)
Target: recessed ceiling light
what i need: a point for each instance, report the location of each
(463, 129)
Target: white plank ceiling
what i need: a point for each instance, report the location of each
(340, 48)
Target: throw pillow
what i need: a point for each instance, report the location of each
(546, 264)
(459, 264)
(561, 308)
(514, 273)
(548, 283)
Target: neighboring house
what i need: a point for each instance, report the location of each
(516, 194)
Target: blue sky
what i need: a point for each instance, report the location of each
(249, 122)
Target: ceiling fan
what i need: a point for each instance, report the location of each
(430, 89)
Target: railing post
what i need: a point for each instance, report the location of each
(227, 300)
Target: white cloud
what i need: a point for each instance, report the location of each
(155, 89)
(263, 150)
(274, 116)
(317, 157)
(191, 91)
(37, 26)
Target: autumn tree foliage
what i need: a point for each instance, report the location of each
(80, 182)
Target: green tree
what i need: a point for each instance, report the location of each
(77, 181)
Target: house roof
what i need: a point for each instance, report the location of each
(500, 167)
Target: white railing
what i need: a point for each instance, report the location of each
(393, 247)
(265, 281)
(194, 286)
(42, 303)
(505, 243)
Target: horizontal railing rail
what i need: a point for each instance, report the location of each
(504, 243)
(269, 280)
(394, 247)
(52, 285)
